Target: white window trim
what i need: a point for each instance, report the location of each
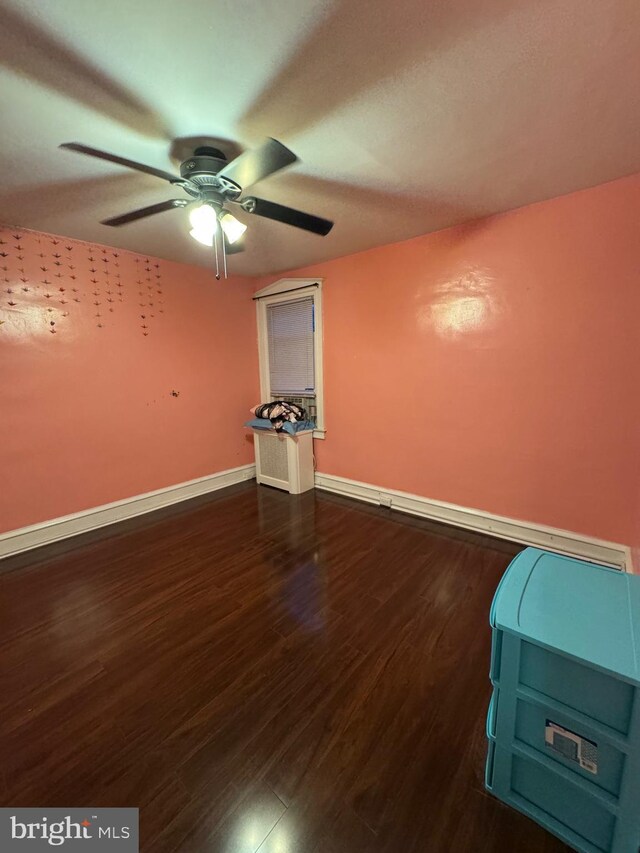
(285, 290)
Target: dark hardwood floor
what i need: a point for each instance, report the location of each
(258, 671)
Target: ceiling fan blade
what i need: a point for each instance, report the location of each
(280, 213)
(253, 166)
(121, 161)
(124, 218)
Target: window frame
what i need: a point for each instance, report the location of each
(288, 290)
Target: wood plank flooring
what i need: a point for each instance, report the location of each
(260, 672)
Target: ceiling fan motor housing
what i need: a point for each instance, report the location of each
(203, 167)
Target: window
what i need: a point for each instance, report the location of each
(290, 345)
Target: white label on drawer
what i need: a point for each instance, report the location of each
(572, 746)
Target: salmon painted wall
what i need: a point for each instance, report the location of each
(93, 341)
(495, 365)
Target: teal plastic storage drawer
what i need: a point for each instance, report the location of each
(555, 801)
(564, 721)
(550, 732)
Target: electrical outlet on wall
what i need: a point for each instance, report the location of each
(384, 500)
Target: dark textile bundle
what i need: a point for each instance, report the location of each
(280, 412)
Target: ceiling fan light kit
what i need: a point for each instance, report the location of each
(232, 227)
(213, 182)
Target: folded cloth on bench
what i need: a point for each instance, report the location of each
(289, 428)
(279, 412)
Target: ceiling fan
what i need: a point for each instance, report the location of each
(213, 183)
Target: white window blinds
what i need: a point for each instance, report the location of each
(290, 329)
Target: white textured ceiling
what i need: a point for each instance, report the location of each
(407, 116)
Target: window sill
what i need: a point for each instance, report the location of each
(319, 433)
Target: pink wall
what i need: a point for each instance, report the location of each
(93, 341)
(495, 365)
(503, 353)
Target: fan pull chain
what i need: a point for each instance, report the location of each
(224, 256)
(215, 249)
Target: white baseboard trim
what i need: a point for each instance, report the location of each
(526, 532)
(16, 541)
